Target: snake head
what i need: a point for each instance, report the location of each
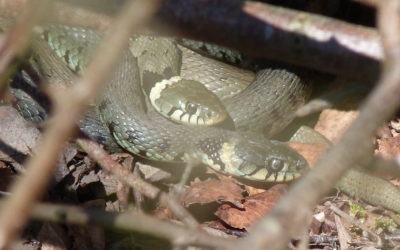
(261, 159)
(187, 102)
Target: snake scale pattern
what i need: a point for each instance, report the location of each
(121, 115)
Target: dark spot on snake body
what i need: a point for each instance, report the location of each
(149, 79)
(179, 56)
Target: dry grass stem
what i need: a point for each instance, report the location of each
(96, 152)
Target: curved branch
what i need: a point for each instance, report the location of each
(292, 36)
(304, 39)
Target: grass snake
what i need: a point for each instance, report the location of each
(122, 111)
(121, 115)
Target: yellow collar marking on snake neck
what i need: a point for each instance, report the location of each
(155, 93)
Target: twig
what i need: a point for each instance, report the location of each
(392, 237)
(190, 165)
(321, 239)
(275, 230)
(74, 103)
(132, 221)
(256, 28)
(97, 153)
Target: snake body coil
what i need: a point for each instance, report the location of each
(121, 110)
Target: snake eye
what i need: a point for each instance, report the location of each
(276, 164)
(191, 108)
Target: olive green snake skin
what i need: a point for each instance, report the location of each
(249, 155)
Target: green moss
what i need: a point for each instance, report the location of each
(357, 211)
(385, 223)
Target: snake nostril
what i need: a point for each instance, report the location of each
(300, 165)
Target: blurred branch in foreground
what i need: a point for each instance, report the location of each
(133, 221)
(286, 219)
(74, 102)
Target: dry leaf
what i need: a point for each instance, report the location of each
(388, 148)
(254, 207)
(212, 190)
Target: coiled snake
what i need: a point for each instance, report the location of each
(144, 132)
(121, 115)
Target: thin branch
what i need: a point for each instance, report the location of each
(275, 230)
(132, 221)
(97, 153)
(74, 103)
(305, 39)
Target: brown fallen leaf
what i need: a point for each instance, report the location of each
(388, 148)
(212, 190)
(254, 207)
(394, 126)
